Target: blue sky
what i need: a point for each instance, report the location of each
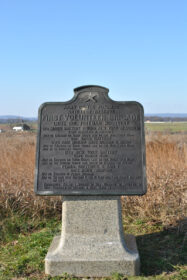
(136, 48)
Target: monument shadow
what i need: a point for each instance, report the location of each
(162, 251)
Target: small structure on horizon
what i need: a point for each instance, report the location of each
(17, 128)
(21, 127)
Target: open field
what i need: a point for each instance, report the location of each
(28, 223)
(166, 127)
(169, 127)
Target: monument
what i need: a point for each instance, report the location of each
(91, 150)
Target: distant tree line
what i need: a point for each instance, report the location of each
(146, 118)
(16, 121)
(164, 119)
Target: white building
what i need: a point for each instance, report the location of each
(21, 127)
(18, 128)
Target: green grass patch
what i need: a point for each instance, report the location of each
(12, 227)
(170, 127)
(24, 255)
(25, 243)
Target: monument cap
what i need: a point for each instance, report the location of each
(90, 88)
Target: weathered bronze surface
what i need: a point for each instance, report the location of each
(90, 145)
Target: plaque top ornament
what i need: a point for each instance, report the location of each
(90, 145)
(90, 88)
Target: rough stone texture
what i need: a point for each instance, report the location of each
(92, 241)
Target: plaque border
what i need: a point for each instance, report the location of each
(80, 193)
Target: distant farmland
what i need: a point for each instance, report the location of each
(170, 127)
(164, 127)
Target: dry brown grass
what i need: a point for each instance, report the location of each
(166, 198)
(166, 174)
(17, 163)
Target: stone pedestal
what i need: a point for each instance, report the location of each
(92, 241)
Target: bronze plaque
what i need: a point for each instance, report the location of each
(90, 145)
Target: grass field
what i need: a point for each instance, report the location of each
(169, 127)
(29, 223)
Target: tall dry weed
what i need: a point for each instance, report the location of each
(166, 198)
(17, 162)
(164, 202)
